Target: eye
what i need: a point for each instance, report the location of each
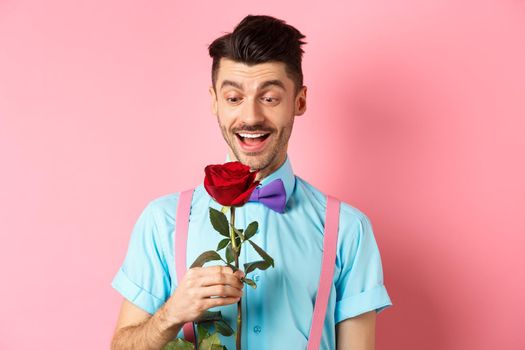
(269, 99)
(233, 99)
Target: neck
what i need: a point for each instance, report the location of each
(268, 170)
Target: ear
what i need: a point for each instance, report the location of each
(213, 101)
(300, 101)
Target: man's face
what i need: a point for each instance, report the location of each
(255, 107)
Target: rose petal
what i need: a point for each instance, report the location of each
(230, 184)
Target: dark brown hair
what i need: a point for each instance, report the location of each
(260, 39)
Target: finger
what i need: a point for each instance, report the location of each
(221, 279)
(214, 302)
(220, 291)
(192, 273)
(217, 269)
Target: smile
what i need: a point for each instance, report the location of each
(252, 142)
(251, 136)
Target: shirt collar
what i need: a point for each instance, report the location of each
(284, 172)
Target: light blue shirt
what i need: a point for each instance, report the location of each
(278, 314)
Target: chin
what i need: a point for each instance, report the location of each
(259, 164)
(254, 164)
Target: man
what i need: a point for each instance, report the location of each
(257, 90)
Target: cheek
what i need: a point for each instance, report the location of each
(227, 114)
(285, 113)
(225, 118)
(283, 120)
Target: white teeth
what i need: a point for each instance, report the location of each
(251, 136)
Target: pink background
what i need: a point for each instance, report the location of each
(415, 115)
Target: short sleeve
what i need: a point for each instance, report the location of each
(143, 278)
(359, 285)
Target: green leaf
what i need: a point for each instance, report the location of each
(202, 259)
(207, 343)
(238, 243)
(260, 264)
(223, 243)
(223, 328)
(251, 230)
(250, 282)
(238, 232)
(219, 222)
(202, 332)
(230, 255)
(179, 344)
(209, 316)
(262, 253)
(218, 347)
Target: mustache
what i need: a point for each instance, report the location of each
(253, 128)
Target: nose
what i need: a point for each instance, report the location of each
(252, 113)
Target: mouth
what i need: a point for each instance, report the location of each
(252, 141)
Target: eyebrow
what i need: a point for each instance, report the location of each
(264, 85)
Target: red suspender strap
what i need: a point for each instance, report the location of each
(181, 237)
(331, 229)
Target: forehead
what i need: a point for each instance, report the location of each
(251, 77)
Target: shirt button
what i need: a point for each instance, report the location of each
(256, 278)
(257, 329)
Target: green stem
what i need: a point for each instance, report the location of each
(236, 255)
(239, 325)
(232, 233)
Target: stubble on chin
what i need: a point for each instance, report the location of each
(264, 163)
(266, 160)
(229, 138)
(254, 160)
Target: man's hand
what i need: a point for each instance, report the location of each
(201, 289)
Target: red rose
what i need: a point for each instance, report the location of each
(230, 184)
